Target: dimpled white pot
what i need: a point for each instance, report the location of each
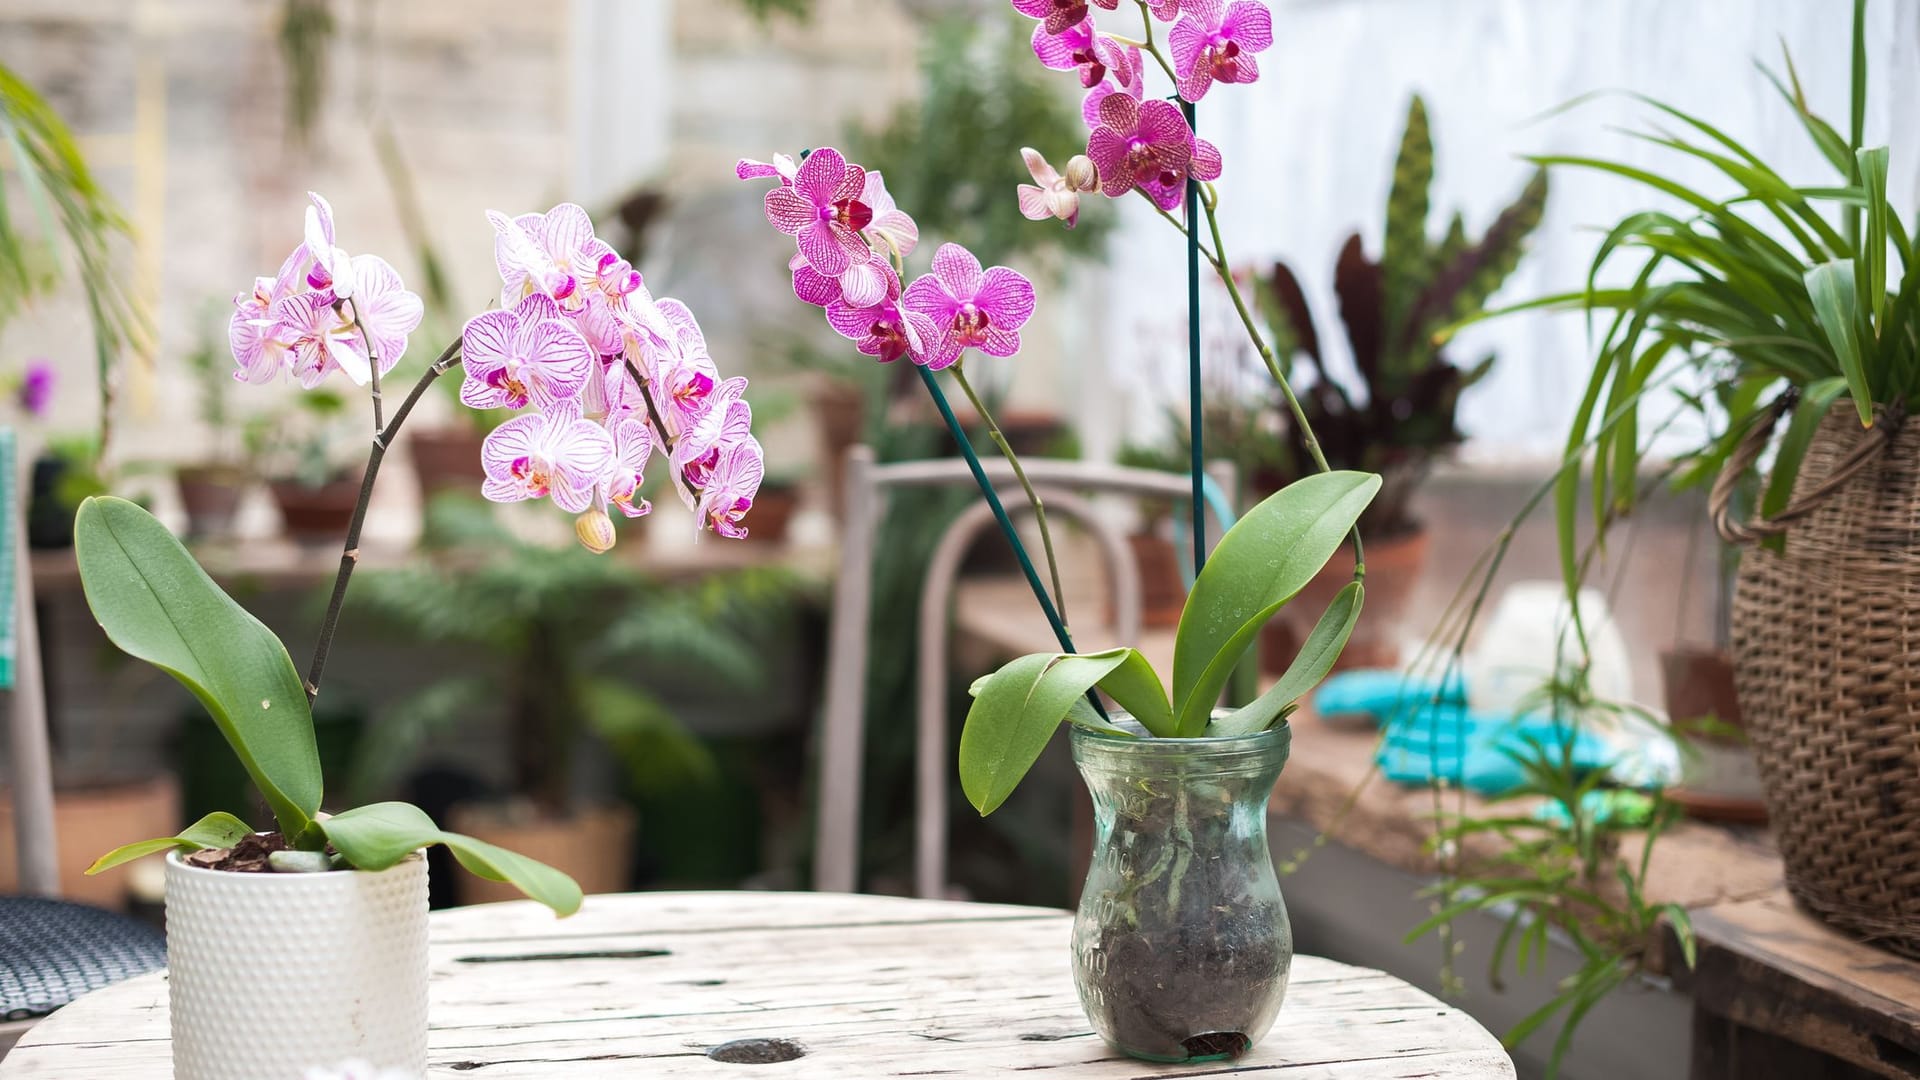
(273, 974)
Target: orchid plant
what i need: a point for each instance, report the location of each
(603, 378)
(852, 246)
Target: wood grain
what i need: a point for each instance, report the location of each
(646, 984)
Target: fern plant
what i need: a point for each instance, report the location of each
(552, 634)
(1391, 308)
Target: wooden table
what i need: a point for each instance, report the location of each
(1778, 995)
(669, 984)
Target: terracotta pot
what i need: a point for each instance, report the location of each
(447, 459)
(1393, 572)
(269, 974)
(210, 494)
(1722, 778)
(772, 513)
(1278, 644)
(1162, 591)
(839, 411)
(90, 821)
(594, 847)
(316, 515)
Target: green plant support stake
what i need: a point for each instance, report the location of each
(1000, 515)
(1194, 411)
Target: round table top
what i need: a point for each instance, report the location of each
(646, 984)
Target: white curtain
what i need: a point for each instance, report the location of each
(1309, 151)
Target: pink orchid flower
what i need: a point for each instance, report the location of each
(782, 166)
(1165, 10)
(388, 312)
(555, 454)
(1057, 15)
(318, 340)
(1083, 48)
(1149, 145)
(727, 420)
(813, 287)
(331, 269)
(257, 353)
(970, 308)
(823, 211)
(884, 330)
(632, 445)
(545, 253)
(1135, 87)
(527, 356)
(731, 485)
(1055, 196)
(891, 230)
(1214, 41)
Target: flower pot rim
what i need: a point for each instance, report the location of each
(174, 860)
(1121, 718)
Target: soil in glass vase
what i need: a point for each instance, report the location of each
(1181, 945)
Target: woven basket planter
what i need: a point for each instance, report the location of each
(1826, 647)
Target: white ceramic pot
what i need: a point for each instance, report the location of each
(273, 974)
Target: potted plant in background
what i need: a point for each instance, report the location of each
(1402, 420)
(1181, 945)
(210, 491)
(1794, 304)
(557, 639)
(325, 917)
(299, 446)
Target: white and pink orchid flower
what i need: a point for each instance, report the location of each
(555, 454)
(528, 356)
(891, 231)
(331, 269)
(731, 483)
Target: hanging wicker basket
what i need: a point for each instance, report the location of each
(1826, 648)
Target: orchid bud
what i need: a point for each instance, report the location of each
(595, 530)
(1082, 175)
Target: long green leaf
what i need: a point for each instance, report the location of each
(217, 830)
(1873, 246)
(1013, 715)
(1136, 687)
(377, 836)
(1309, 666)
(1259, 565)
(156, 603)
(1831, 287)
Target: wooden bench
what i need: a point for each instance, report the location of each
(1777, 995)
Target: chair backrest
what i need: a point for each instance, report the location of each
(29, 756)
(836, 847)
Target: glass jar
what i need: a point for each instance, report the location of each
(1181, 945)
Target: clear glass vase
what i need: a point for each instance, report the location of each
(1181, 945)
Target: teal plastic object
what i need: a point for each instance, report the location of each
(1476, 750)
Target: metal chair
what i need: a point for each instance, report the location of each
(51, 950)
(1061, 485)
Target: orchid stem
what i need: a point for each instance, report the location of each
(1212, 259)
(350, 554)
(653, 410)
(1033, 497)
(1273, 368)
(373, 368)
(1146, 19)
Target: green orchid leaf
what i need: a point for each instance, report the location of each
(379, 835)
(157, 604)
(217, 830)
(1015, 713)
(1136, 687)
(1831, 286)
(1259, 565)
(1309, 666)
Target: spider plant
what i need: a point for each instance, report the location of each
(1763, 287)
